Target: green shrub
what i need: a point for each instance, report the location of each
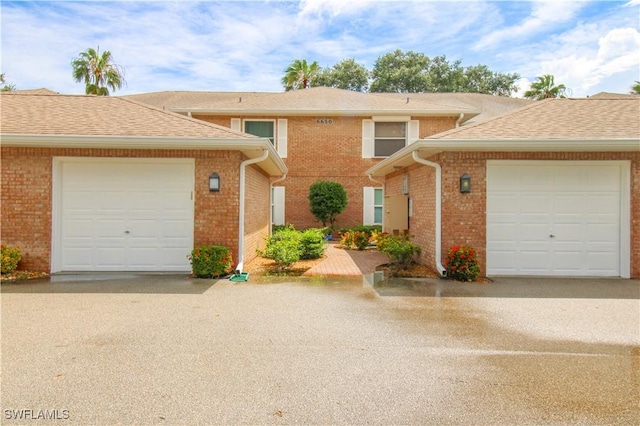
(312, 241)
(399, 249)
(368, 229)
(211, 261)
(461, 264)
(11, 255)
(355, 239)
(285, 252)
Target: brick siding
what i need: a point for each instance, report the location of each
(27, 198)
(464, 215)
(330, 152)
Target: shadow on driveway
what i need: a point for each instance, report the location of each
(113, 283)
(538, 288)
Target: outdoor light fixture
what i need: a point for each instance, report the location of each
(465, 183)
(214, 182)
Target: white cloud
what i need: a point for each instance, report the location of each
(544, 15)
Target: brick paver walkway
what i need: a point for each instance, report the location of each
(348, 262)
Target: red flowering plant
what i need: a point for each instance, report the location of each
(461, 264)
(211, 261)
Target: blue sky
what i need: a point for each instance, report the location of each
(590, 46)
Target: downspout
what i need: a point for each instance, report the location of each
(441, 269)
(459, 119)
(243, 166)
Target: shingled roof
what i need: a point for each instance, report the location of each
(45, 119)
(46, 113)
(585, 118)
(313, 101)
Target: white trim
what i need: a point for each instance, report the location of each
(236, 124)
(391, 118)
(367, 138)
(56, 194)
(281, 133)
(625, 200)
(278, 205)
(413, 131)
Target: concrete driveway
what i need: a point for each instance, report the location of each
(158, 349)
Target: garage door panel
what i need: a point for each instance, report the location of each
(123, 214)
(567, 221)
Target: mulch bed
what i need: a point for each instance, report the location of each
(22, 276)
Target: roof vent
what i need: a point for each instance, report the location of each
(407, 99)
(240, 99)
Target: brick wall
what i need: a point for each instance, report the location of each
(257, 211)
(463, 215)
(329, 152)
(27, 185)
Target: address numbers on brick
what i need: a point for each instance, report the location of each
(324, 121)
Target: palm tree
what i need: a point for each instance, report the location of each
(97, 72)
(636, 87)
(545, 88)
(299, 74)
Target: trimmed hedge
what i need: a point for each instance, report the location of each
(211, 261)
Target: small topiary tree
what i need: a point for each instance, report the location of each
(327, 200)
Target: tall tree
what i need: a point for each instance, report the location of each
(6, 86)
(398, 71)
(636, 87)
(346, 74)
(97, 72)
(544, 88)
(410, 71)
(299, 74)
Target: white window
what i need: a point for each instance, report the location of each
(262, 128)
(372, 206)
(275, 130)
(388, 138)
(384, 136)
(277, 205)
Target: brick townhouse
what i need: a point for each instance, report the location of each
(331, 134)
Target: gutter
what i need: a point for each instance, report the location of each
(438, 243)
(459, 120)
(243, 166)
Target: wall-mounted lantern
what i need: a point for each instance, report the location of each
(465, 183)
(214, 182)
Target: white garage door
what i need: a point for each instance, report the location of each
(554, 218)
(123, 214)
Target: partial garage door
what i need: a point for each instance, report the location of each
(123, 214)
(554, 218)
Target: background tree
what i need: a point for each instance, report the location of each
(545, 88)
(400, 71)
(636, 87)
(299, 74)
(327, 200)
(5, 87)
(346, 74)
(97, 72)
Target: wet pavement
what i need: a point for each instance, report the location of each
(163, 349)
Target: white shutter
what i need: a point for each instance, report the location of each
(414, 131)
(367, 138)
(235, 124)
(368, 201)
(278, 205)
(281, 145)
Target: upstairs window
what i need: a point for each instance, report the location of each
(261, 128)
(389, 137)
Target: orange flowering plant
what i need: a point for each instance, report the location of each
(461, 264)
(11, 255)
(211, 261)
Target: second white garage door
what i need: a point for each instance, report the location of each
(554, 218)
(122, 214)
